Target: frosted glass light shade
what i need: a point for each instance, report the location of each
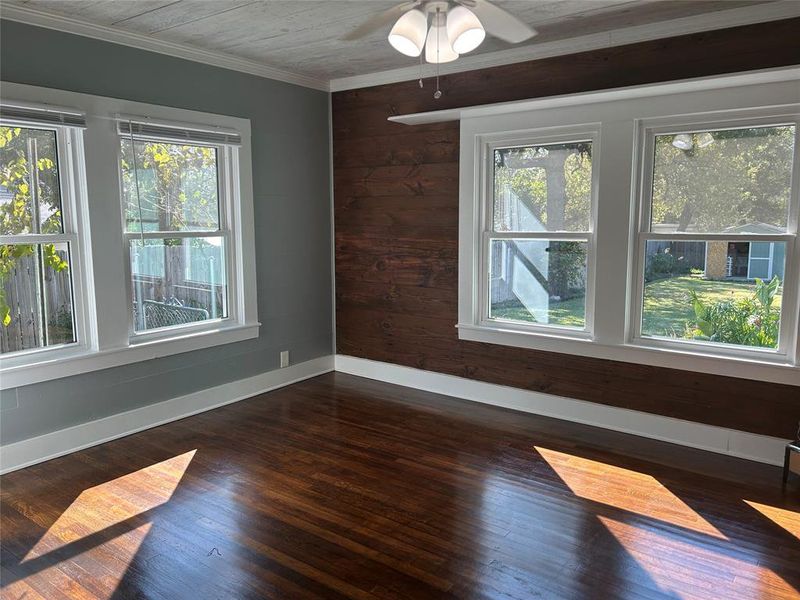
(464, 30)
(408, 34)
(683, 141)
(446, 53)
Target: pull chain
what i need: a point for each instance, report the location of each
(438, 93)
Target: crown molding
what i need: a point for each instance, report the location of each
(39, 18)
(760, 13)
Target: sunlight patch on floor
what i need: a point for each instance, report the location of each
(625, 489)
(695, 569)
(113, 502)
(788, 519)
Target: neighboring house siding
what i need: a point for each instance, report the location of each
(716, 260)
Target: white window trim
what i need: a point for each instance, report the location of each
(647, 130)
(616, 257)
(107, 341)
(228, 198)
(74, 218)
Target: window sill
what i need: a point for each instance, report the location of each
(45, 367)
(768, 368)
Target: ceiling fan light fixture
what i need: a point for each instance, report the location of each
(408, 34)
(438, 48)
(464, 30)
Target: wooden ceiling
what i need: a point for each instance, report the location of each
(303, 36)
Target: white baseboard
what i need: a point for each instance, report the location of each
(741, 444)
(64, 441)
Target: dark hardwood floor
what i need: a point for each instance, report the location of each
(341, 487)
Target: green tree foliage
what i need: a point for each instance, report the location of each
(664, 264)
(553, 182)
(742, 177)
(175, 184)
(28, 172)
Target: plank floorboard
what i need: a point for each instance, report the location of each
(342, 487)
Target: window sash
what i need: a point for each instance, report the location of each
(520, 139)
(70, 161)
(488, 320)
(225, 179)
(39, 238)
(788, 337)
(788, 322)
(63, 137)
(227, 168)
(646, 157)
(230, 292)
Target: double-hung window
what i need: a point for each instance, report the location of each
(122, 238)
(537, 236)
(176, 203)
(717, 235)
(655, 225)
(41, 245)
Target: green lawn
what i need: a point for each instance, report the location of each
(666, 304)
(569, 313)
(666, 301)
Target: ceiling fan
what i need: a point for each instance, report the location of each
(456, 27)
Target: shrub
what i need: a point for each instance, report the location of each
(567, 267)
(747, 322)
(665, 264)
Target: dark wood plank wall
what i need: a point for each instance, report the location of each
(396, 220)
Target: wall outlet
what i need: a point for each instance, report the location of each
(284, 358)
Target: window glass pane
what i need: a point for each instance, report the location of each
(708, 291)
(35, 296)
(176, 184)
(178, 281)
(30, 197)
(543, 188)
(731, 181)
(538, 281)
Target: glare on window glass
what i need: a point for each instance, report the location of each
(35, 297)
(729, 181)
(175, 187)
(543, 187)
(718, 291)
(177, 281)
(538, 281)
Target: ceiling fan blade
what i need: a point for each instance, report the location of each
(501, 23)
(379, 21)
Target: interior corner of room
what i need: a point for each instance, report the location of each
(442, 298)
